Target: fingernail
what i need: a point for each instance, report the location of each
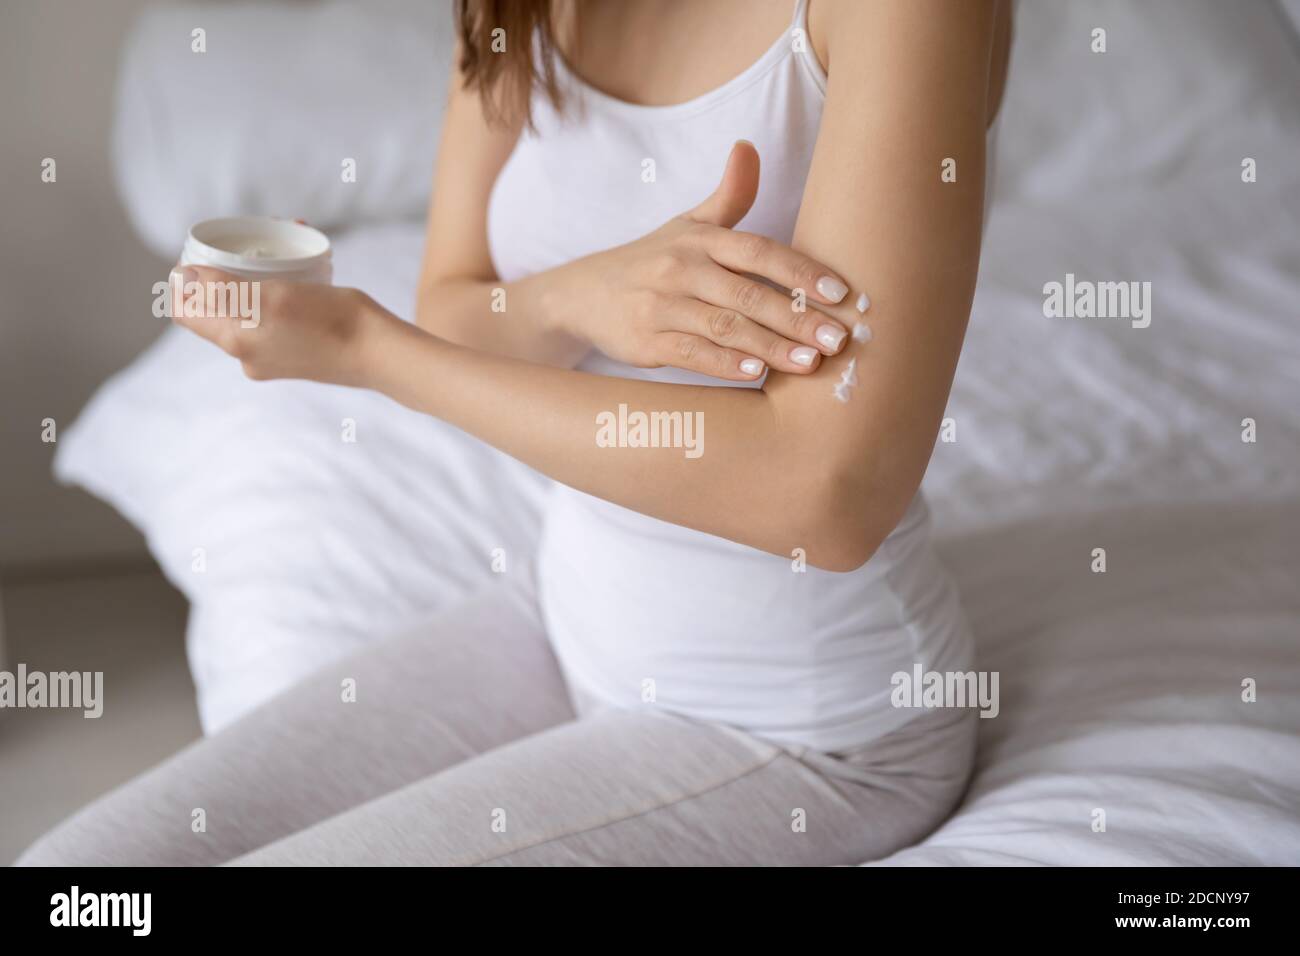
(832, 288)
(751, 366)
(803, 355)
(831, 336)
(863, 303)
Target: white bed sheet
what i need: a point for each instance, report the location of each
(1122, 691)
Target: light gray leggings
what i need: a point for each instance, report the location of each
(463, 747)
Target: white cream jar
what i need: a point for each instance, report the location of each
(259, 247)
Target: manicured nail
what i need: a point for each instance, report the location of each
(751, 366)
(832, 288)
(831, 337)
(803, 355)
(863, 303)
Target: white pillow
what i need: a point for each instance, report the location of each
(292, 544)
(264, 120)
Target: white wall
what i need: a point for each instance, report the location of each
(70, 269)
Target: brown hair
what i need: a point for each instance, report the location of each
(505, 77)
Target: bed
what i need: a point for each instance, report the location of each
(1120, 504)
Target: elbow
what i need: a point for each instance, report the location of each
(840, 551)
(841, 528)
(846, 562)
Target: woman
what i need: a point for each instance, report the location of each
(700, 669)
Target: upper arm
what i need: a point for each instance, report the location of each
(908, 90)
(470, 155)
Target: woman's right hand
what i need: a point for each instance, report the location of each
(688, 294)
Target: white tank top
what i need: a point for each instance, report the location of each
(643, 613)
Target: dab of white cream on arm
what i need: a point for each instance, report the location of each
(848, 378)
(861, 333)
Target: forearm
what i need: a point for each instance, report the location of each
(503, 318)
(743, 479)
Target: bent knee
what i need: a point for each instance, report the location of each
(63, 847)
(96, 838)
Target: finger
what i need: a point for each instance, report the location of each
(695, 353)
(732, 330)
(761, 256)
(735, 193)
(195, 291)
(199, 298)
(774, 310)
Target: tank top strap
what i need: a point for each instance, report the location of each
(800, 18)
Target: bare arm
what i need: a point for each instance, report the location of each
(457, 278)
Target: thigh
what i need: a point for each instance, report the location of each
(476, 677)
(647, 788)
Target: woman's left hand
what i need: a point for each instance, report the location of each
(280, 329)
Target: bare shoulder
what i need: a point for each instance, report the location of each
(850, 27)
